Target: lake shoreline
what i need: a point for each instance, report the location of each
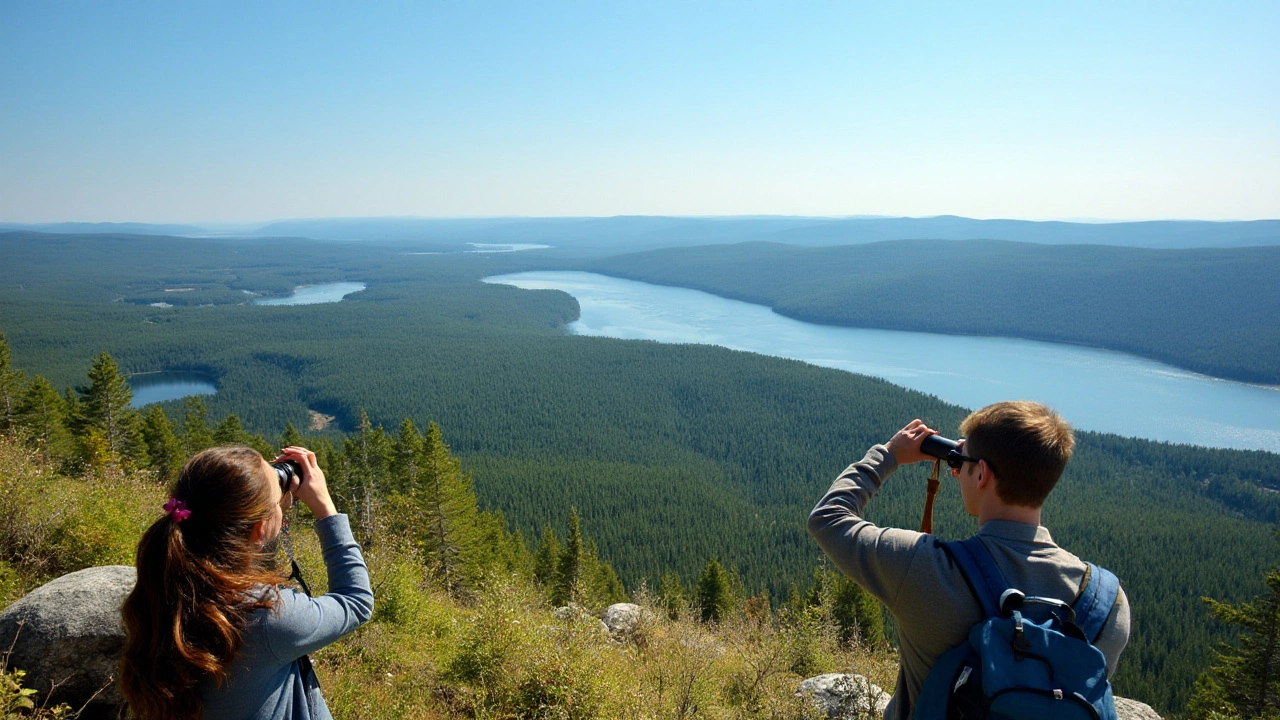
(800, 318)
(1097, 389)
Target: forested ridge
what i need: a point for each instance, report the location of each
(1208, 310)
(672, 455)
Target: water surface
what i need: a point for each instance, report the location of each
(505, 247)
(315, 294)
(160, 386)
(1094, 389)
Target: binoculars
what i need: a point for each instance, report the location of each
(945, 450)
(286, 471)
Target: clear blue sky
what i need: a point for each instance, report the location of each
(224, 111)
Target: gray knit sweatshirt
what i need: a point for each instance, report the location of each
(265, 679)
(924, 589)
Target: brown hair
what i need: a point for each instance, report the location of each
(198, 579)
(1025, 443)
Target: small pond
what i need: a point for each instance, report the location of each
(160, 386)
(315, 294)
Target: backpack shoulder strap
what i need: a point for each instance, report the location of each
(1097, 596)
(980, 571)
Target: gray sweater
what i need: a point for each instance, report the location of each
(265, 679)
(924, 589)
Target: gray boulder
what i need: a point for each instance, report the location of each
(1127, 709)
(623, 619)
(69, 636)
(842, 696)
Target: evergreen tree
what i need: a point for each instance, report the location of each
(366, 459)
(41, 413)
(291, 437)
(715, 597)
(406, 458)
(163, 447)
(568, 583)
(1244, 680)
(672, 595)
(105, 409)
(547, 557)
(857, 614)
(72, 411)
(196, 435)
(10, 388)
(231, 432)
(449, 506)
(604, 587)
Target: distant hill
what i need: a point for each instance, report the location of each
(1208, 310)
(83, 228)
(631, 233)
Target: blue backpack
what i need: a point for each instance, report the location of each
(1031, 658)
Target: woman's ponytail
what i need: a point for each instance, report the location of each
(198, 578)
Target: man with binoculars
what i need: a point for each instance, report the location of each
(1012, 458)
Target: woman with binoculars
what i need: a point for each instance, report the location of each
(211, 631)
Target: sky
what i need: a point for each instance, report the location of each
(227, 111)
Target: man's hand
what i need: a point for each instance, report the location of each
(905, 445)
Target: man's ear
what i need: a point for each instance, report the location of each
(985, 477)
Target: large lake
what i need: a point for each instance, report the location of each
(315, 294)
(1094, 389)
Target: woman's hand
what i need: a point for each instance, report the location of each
(905, 445)
(311, 490)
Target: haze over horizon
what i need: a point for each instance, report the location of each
(245, 113)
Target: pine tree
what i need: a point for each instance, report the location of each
(856, 614)
(41, 413)
(604, 587)
(547, 557)
(1244, 680)
(105, 409)
(196, 435)
(367, 457)
(449, 506)
(406, 456)
(291, 437)
(567, 587)
(231, 432)
(715, 598)
(10, 388)
(163, 447)
(672, 595)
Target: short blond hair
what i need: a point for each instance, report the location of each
(1026, 443)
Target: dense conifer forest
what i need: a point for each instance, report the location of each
(671, 456)
(1208, 310)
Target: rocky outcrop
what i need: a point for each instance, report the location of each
(67, 635)
(841, 695)
(1127, 709)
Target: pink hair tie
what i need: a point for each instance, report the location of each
(177, 510)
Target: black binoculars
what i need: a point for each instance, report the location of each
(945, 450)
(286, 471)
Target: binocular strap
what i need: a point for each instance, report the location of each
(926, 522)
(305, 667)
